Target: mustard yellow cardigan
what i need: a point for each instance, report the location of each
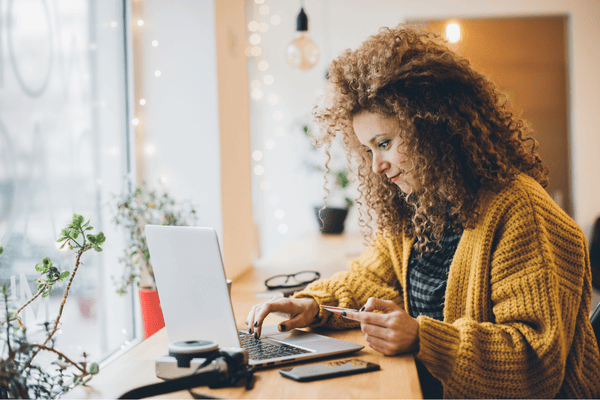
(516, 317)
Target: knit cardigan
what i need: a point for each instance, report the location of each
(516, 316)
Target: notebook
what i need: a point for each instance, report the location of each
(192, 288)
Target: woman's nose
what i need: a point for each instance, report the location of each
(379, 165)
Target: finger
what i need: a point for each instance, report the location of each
(299, 321)
(374, 304)
(251, 316)
(375, 331)
(382, 349)
(367, 317)
(278, 305)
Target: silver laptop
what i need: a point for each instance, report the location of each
(195, 301)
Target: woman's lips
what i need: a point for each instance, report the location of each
(395, 178)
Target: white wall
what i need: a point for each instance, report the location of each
(181, 116)
(336, 25)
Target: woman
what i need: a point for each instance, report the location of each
(472, 265)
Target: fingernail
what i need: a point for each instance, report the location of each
(282, 328)
(255, 335)
(249, 330)
(343, 313)
(256, 323)
(362, 309)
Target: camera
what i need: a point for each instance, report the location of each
(201, 357)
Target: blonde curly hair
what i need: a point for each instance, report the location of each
(455, 127)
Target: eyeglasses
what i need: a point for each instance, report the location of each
(298, 279)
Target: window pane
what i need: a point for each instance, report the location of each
(63, 150)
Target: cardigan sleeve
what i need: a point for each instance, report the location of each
(373, 274)
(539, 284)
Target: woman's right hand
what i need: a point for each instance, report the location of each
(300, 313)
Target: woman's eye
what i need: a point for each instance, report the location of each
(384, 144)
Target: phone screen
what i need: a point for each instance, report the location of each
(329, 369)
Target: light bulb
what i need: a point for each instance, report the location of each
(302, 52)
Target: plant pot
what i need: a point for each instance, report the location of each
(333, 219)
(152, 315)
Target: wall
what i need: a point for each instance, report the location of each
(336, 25)
(193, 135)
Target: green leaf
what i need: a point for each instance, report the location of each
(94, 368)
(64, 275)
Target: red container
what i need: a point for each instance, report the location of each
(152, 316)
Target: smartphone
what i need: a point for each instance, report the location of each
(331, 369)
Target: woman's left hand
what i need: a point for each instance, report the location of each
(392, 332)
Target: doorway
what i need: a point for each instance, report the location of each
(527, 59)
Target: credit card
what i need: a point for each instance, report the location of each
(337, 310)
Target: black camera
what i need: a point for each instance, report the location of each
(198, 357)
(197, 363)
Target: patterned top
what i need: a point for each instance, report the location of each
(427, 277)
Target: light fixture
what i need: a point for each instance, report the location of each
(453, 32)
(302, 52)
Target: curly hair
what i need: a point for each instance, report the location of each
(455, 127)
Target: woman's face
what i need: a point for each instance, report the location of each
(380, 135)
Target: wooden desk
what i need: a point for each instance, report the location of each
(397, 378)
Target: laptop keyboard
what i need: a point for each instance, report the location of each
(261, 350)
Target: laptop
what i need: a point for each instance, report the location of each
(195, 301)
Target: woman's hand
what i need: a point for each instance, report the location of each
(300, 313)
(390, 333)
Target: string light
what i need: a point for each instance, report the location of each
(268, 79)
(154, 43)
(264, 10)
(257, 155)
(253, 26)
(140, 22)
(275, 19)
(150, 149)
(157, 73)
(255, 38)
(259, 170)
(263, 65)
(279, 214)
(135, 121)
(142, 102)
(113, 24)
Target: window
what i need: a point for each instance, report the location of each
(64, 150)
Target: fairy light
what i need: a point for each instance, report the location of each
(135, 121)
(257, 155)
(255, 38)
(113, 24)
(268, 79)
(255, 84)
(163, 179)
(259, 170)
(150, 149)
(275, 20)
(154, 43)
(256, 94)
(255, 51)
(279, 214)
(264, 10)
(259, 1)
(263, 27)
(157, 73)
(142, 102)
(263, 65)
(140, 22)
(282, 228)
(253, 26)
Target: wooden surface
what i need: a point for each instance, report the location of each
(327, 254)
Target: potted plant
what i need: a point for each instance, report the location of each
(20, 376)
(340, 190)
(133, 212)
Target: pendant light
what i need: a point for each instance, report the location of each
(302, 52)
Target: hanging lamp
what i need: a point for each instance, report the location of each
(302, 52)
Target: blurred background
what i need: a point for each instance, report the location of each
(210, 101)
